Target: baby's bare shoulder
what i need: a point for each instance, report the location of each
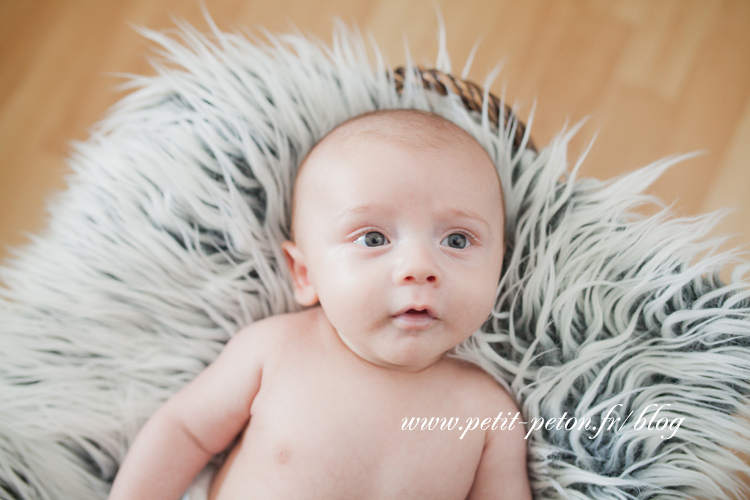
(480, 387)
(503, 463)
(270, 334)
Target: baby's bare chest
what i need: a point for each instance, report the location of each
(320, 433)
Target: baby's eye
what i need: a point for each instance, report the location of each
(372, 239)
(456, 240)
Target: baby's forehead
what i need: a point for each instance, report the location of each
(364, 148)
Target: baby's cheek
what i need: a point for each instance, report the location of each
(484, 300)
(347, 301)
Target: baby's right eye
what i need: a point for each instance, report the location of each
(372, 239)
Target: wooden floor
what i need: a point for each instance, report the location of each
(655, 78)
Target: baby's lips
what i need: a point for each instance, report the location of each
(417, 309)
(415, 318)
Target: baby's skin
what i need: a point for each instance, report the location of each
(397, 253)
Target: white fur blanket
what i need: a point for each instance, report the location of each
(167, 241)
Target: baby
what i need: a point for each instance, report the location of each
(397, 252)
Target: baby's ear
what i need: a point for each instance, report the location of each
(304, 292)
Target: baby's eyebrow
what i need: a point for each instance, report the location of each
(468, 215)
(363, 209)
(384, 209)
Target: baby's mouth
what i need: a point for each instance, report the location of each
(415, 318)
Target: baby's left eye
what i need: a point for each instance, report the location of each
(456, 240)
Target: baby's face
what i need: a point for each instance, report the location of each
(402, 247)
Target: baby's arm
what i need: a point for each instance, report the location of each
(502, 471)
(195, 424)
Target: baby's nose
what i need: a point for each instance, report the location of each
(417, 265)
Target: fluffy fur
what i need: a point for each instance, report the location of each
(166, 242)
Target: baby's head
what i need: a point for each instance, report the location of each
(398, 230)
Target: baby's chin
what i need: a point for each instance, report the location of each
(411, 355)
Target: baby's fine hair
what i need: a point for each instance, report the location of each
(410, 127)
